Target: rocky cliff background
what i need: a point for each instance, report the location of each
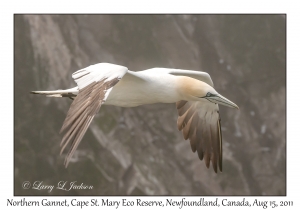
(139, 151)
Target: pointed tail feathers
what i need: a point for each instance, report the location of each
(72, 93)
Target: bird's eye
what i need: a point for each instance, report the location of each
(208, 94)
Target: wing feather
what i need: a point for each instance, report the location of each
(94, 83)
(199, 75)
(200, 123)
(220, 145)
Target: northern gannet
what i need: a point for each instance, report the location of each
(109, 84)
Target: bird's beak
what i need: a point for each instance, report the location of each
(219, 99)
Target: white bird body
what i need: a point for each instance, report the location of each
(144, 87)
(108, 84)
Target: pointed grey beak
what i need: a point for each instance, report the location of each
(219, 99)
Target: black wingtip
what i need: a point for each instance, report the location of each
(215, 169)
(220, 166)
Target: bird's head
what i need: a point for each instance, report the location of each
(198, 90)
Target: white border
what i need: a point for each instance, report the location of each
(8, 8)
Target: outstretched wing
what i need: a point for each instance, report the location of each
(95, 83)
(201, 124)
(199, 75)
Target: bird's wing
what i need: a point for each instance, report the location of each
(95, 83)
(199, 75)
(201, 124)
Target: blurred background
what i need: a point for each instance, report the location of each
(139, 151)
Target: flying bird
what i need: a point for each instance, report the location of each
(109, 84)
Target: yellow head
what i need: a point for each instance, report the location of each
(196, 90)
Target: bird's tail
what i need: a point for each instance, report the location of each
(71, 93)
